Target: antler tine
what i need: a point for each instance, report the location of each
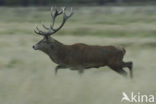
(53, 17)
(65, 15)
(37, 31)
(45, 27)
(54, 14)
(59, 12)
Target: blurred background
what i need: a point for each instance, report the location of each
(27, 76)
(73, 2)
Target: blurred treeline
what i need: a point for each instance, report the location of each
(69, 2)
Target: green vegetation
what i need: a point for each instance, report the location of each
(74, 2)
(98, 21)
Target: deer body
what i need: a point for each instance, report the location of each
(80, 56)
(91, 56)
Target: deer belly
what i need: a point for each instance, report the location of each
(95, 61)
(88, 61)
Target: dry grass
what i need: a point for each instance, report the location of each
(27, 76)
(110, 21)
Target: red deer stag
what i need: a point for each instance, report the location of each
(79, 56)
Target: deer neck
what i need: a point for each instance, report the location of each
(57, 52)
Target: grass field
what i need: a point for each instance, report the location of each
(27, 76)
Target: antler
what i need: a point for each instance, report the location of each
(51, 30)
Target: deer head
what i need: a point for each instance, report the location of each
(48, 42)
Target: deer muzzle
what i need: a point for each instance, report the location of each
(35, 47)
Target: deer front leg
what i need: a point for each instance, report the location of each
(57, 68)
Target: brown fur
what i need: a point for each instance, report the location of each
(81, 56)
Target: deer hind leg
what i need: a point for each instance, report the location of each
(130, 66)
(119, 70)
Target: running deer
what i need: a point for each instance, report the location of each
(79, 56)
